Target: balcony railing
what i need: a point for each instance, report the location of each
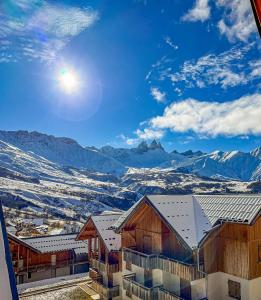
(133, 287)
(98, 264)
(42, 267)
(102, 267)
(163, 294)
(106, 292)
(153, 261)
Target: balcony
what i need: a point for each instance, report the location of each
(105, 292)
(141, 291)
(102, 267)
(98, 264)
(161, 262)
(167, 295)
(41, 267)
(133, 287)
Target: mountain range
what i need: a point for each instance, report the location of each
(67, 152)
(40, 172)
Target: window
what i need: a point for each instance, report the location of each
(234, 289)
(29, 275)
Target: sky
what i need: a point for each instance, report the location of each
(186, 73)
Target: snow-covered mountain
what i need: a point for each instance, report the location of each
(31, 182)
(228, 165)
(234, 164)
(64, 151)
(144, 156)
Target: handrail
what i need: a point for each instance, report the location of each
(158, 261)
(168, 295)
(158, 256)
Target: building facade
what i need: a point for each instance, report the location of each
(46, 257)
(191, 247)
(104, 254)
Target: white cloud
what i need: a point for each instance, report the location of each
(39, 30)
(237, 22)
(233, 118)
(227, 69)
(256, 68)
(149, 134)
(169, 42)
(200, 12)
(158, 95)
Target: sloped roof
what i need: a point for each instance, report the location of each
(192, 216)
(103, 224)
(56, 243)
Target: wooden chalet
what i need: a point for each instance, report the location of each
(46, 257)
(104, 254)
(191, 247)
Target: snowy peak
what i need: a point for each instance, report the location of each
(142, 147)
(155, 145)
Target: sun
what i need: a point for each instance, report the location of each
(68, 80)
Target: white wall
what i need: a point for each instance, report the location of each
(198, 289)
(157, 277)
(217, 286)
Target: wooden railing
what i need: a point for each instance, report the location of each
(153, 261)
(106, 292)
(163, 294)
(133, 287)
(42, 267)
(98, 264)
(102, 267)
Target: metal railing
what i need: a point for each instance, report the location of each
(154, 261)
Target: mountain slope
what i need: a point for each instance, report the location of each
(30, 182)
(235, 164)
(66, 152)
(63, 151)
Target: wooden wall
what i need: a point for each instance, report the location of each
(146, 231)
(36, 258)
(233, 249)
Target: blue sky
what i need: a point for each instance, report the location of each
(184, 72)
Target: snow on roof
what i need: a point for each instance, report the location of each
(56, 243)
(103, 225)
(7, 283)
(192, 216)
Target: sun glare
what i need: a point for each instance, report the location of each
(68, 80)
